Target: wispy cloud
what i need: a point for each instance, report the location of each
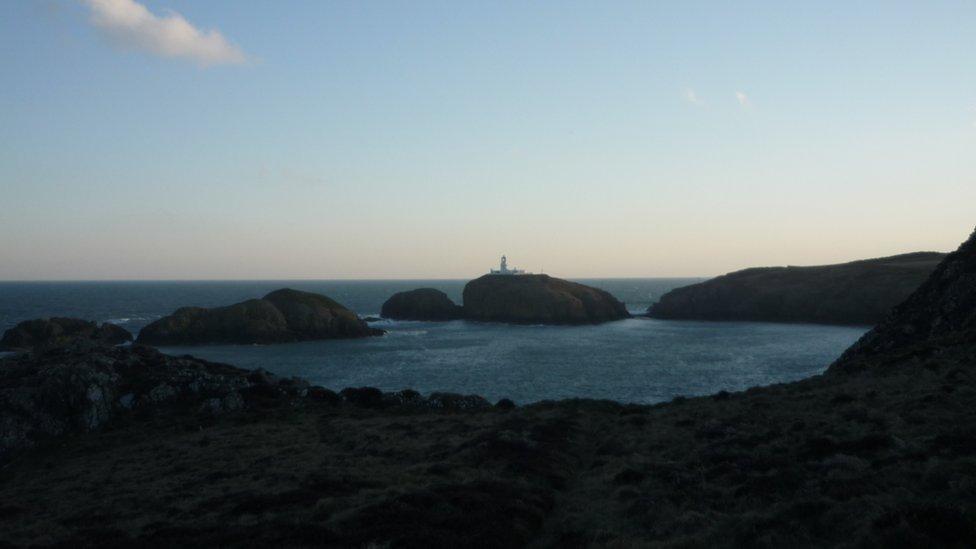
(131, 25)
(743, 99)
(692, 97)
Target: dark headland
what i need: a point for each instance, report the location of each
(129, 447)
(859, 292)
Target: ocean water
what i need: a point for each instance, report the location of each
(637, 360)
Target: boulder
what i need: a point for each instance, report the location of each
(46, 333)
(281, 316)
(421, 304)
(859, 292)
(538, 299)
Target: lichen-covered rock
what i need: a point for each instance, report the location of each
(538, 299)
(941, 313)
(279, 317)
(421, 304)
(859, 292)
(46, 333)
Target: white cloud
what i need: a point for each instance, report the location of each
(692, 97)
(132, 25)
(743, 99)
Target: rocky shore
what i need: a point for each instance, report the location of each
(859, 292)
(878, 452)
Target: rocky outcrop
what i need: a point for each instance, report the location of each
(83, 385)
(940, 314)
(46, 333)
(860, 292)
(421, 304)
(281, 316)
(538, 299)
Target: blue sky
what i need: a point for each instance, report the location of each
(423, 139)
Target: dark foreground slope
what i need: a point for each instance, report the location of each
(881, 455)
(865, 461)
(860, 292)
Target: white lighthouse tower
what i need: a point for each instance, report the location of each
(504, 270)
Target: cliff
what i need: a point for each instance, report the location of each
(859, 292)
(281, 316)
(538, 299)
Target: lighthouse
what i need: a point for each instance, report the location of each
(504, 270)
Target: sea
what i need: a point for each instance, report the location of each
(638, 360)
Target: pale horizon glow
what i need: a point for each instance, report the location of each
(142, 141)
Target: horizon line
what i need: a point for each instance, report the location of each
(408, 279)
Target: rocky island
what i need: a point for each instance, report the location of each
(538, 299)
(859, 292)
(421, 304)
(878, 452)
(281, 316)
(44, 333)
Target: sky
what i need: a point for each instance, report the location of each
(176, 139)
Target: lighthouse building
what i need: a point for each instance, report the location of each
(504, 270)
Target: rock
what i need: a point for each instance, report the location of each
(505, 404)
(421, 304)
(321, 394)
(406, 397)
(456, 402)
(281, 316)
(47, 333)
(941, 313)
(367, 397)
(860, 292)
(81, 386)
(538, 299)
